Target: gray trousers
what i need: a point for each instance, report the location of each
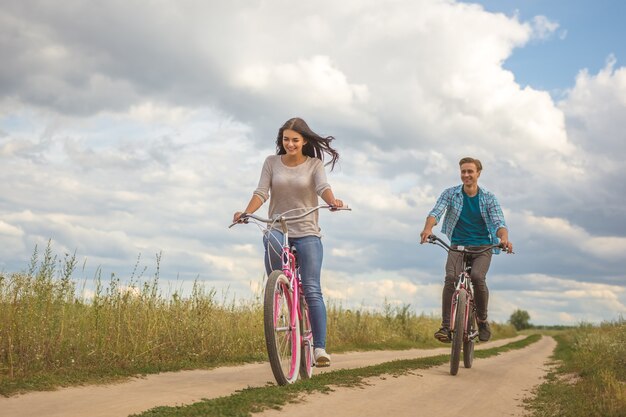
(478, 275)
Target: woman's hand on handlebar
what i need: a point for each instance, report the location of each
(330, 199)
(336, 204)
(237, 217)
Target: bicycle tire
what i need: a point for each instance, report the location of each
(282, 339)
(468, 345)
(457, 332)
(306, 334)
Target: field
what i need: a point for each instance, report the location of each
(52, 335)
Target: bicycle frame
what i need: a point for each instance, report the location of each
(463, 283)
(292, 272)
(461, 334)
(288, 333)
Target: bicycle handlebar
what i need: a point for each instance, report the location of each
(437, 241)
(281, 217)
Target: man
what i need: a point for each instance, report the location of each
(474, 219)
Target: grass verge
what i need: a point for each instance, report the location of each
(589, 377)
(253, 400)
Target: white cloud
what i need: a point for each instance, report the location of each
(567, 318)
(329, 85)
(543, 28)
(552, 299)
(562, 232)
(160, 114)
(146, 139)
(593, 108)
(7, 229)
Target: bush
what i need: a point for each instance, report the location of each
(520, 319)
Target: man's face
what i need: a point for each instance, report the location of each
(469, 174)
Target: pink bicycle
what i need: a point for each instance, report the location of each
(463, 325)
(288, 334)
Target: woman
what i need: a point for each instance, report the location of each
(293, 179)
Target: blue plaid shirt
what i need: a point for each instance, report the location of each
(450, 202)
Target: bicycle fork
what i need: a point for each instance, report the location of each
(462, 291)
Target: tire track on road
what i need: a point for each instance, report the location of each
(493, 387)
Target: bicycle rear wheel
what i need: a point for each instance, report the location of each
(281, 337)
(306, 360)
(468, 345)
(457, 332)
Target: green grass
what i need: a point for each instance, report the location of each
(393, 328)
(589, 378)
(253, 400)
(52, 335)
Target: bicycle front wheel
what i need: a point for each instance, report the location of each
(306, 363)
(468, 345)
(457, 332)
(282, 330)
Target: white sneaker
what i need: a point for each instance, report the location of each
(322, 358)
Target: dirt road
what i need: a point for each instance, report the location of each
(494, 387)
(498, 383)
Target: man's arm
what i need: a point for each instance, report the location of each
(428, 228)
(435, 214)
(497, 217)
(503, 235)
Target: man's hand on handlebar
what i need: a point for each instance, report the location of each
(425, 236)
(506, 246)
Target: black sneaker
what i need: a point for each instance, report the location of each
(484, 331)
(443, 335)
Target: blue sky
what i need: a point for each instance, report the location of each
(586, 36)
(128, 130)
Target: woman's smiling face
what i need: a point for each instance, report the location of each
(293, 142)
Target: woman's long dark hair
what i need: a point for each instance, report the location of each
(316, 145)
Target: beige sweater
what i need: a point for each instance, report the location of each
(293, 188)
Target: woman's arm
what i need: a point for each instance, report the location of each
(261, 193)
(330, 199)
(253, 205)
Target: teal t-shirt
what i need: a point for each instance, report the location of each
(471, 229)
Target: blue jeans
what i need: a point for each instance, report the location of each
(310, 253)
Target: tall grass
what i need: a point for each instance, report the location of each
(590, 379)
(51, 334)
(396, 327)
(47, 329)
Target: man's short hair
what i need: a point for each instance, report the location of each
(469, 160)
